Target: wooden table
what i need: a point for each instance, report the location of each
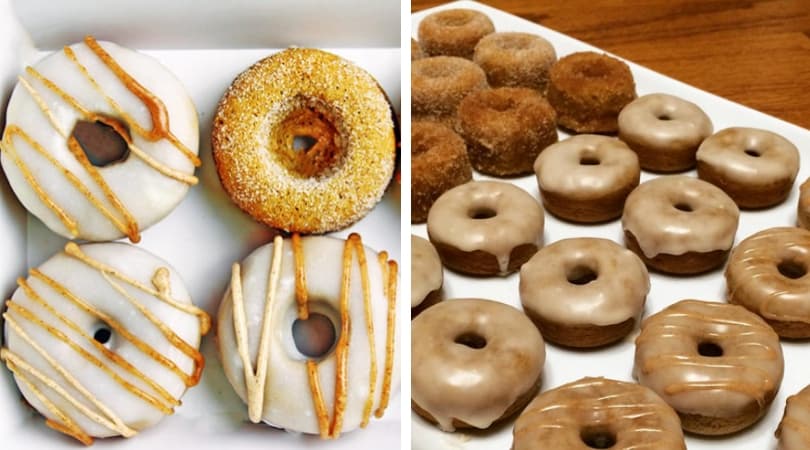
(754, 52)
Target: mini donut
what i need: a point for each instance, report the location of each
(794, 429)
(307, 334)
(598, 413)
(439, 162)
(588, 90)
(505, 129)
(679, 224)
(485, 227)
(453, 32)
(803, 213)
(586, 178)
(604, 286)
(439, 84)
(664, 130)
(474, 362)
(304, 93)
(755, 167)
(767, 273)
(416, 50)
(426, 274)
(512, 59)
(718, 365)
(100, 141)
(103, 340)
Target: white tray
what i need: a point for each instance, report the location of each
(616, 361)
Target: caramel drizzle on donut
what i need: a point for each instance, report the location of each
(389, 270)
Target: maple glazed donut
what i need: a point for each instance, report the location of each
(304, 94)
(474, 362)
(438, 85)
(512, 59)
(100, 141)
(103, 340)
(453, 32)
(718, 365)
(794, 429)
(306, 334)
(803, 212)
(426, 274)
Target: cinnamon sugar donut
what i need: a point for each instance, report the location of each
(453, 32)
(426, 275)
(416, 50)
(439, 84)
(512, 59)
(803, 213)
(794, 429)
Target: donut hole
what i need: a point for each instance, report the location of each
(501, 103)
(481, 213)
(752, 153)
(581, 275)
(314, 337)
(664, 117)
(454, 19)
(598, 437)
(709, 349)
(683, 206)
(103, 335)
(791, 269)
(308, 139)
(593, 69)
(103, 141)
(303, 142)
(589, 161)
(472, 340)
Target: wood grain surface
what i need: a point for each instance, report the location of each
(752, 52)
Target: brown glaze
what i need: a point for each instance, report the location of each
(794, 429)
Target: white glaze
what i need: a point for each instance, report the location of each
(426, 270)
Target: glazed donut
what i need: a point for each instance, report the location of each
(439, 84)
(803, 213)
(604, 286)
(474, 362)
(100, 141)
(588, 90)
(103, 340)
(794, 429)
(486, 227)
(301, 309)
(416, 50)
(755, 167)
(718, 365)
(426, 274)
(598, 413)
(767, 273)
(512, 59)
(301, 92)
(664, 130)
(505, 129)
(439, 162)
(679, 224)
(453, 32)
(586, 178)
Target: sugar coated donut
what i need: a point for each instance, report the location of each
(794, 429)
(100, 141)
(803, 213)
(439, 84)
(103, 340)
(453, 32)
(416, 50)
(474, 362)
(426, 274)
(513, 59)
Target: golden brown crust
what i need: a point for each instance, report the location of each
(581, 336)
(687, 264)
(587, 210)
(438, 85)
(416, 50)
(479, 262)
(746, 196)
(453, 32)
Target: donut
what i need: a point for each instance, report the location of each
(416, 50)
(299, 97)
(755, 167)
(100, 141)
(598, 413)
(718, 365)
(512, 59)
(306, 334)
(439, 84)
(439, 162)
(485, 227)
(767, 274)
(103, 340)
(588, 90)
(803, 213)
(453, 32)
(794, 429)
(474, 362)
(679, 224)
(586, 178)
(664, 130)
(426, 274)
(604, 286)
(505, 129)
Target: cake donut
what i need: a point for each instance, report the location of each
(103, 340)
(512, 59)
(794, 429)
(598, 413)
(453, 32)
(307, 334)
(803, 213)
(664, 130)
(304, 95)
(426, 274)
(604, 286)
(416, 50)
(474, 362)
(586, 178)
(679, 224)
(100, 141)
(486, 227)
(755, 167)
(439, 84)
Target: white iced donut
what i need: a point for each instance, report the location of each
(306, 334)
(100, 141)
(103, 340)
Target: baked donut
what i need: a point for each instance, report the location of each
(598, 413)
(588, 90)
(586, 178)
(103, 340)
(755, 167)
(100, 141)
(679, 224)
(505, 129)
(307, 334)
(439, 162)
(474, 362)
(439, 84)
(604, 286)
(794, 429)
(512, 59)
(426, 274)
(664, 130)
(803, 213)
(767, 273)
(416, 50)
(486, 227)
(453, 32)
(304, 95)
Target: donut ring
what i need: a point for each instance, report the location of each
(513, 59)
(453, 32)
(794, 429)
(439, 84)
(803, 213)
(426, 275)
